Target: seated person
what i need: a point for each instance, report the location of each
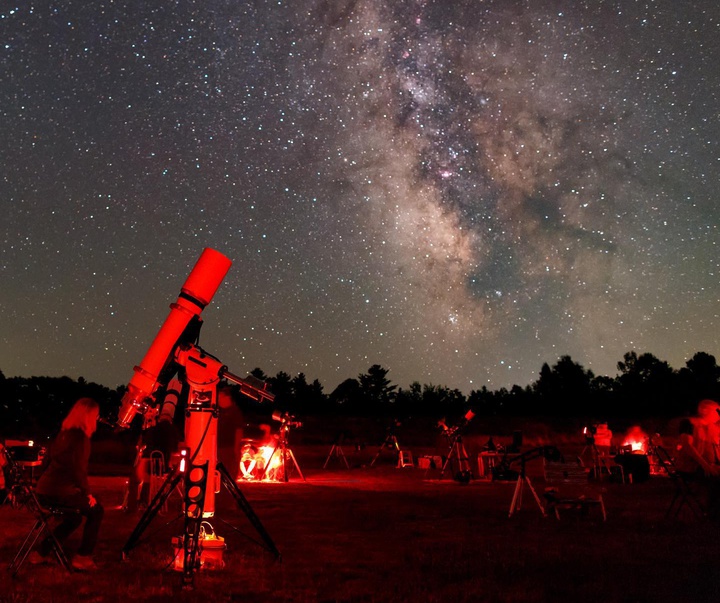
(688, 459)
(65, 483)
(230, 431)
(694, 457)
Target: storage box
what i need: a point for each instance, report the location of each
(210, 551)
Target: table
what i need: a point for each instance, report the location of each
(24, 465)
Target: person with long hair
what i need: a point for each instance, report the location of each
(65, 483)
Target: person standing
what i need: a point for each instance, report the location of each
(706, 432)
(688, 459)
(160, 434)
(65, 483)
(704, 446)
(229, 431)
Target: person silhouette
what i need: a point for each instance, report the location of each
(65, 483)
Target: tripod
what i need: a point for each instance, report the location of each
(285, 452)
(524, 480)
(457, 451)
(337, 451)
(597, 459)
(173, 480)
(202, 373)
(390, 442)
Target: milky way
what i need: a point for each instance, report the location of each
(459, 191)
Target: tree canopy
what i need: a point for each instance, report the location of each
(644, 386)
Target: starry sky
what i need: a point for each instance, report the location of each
(457, 190)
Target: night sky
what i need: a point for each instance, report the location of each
(457, 190)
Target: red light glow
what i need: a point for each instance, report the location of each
(263, 463)
(636, 439)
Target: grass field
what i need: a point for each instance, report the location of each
(386, 534)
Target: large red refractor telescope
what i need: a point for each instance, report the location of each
(174, 350)
(196, 293)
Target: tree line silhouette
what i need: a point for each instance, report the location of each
(644, 387)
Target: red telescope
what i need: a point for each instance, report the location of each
(196, 293)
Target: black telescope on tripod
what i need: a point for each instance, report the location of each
(457, 450)
(287, 421)
(390, 442)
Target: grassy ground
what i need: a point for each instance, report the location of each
(386, 534)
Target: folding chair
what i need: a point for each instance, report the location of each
(572, 476)
(684, 495)
(46, 518)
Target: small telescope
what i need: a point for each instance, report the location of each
(286, 419)
(452, 432)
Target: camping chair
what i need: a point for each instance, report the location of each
(572, 477)
(684, 494)
(46, 519)
(609, 466)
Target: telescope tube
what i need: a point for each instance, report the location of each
(195, 294)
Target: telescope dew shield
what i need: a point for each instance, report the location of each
(196, 293)
(206, 276)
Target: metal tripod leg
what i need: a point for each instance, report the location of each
(457, 450)
(446, 463)
(684, 497)
(284, 452)
(192, 524)
(157, 503)
(283, 460)
(244, 505)
(338, 452)
(389, 441)
(536, 497)
(377, 455)
(267, 464)
(292, 456)
(516, 503)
